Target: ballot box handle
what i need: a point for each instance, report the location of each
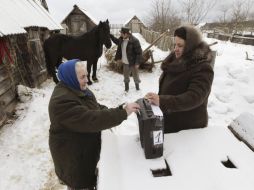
(148, 108)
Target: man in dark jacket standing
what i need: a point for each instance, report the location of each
(76, 122)
(128, 52)
(185, 83)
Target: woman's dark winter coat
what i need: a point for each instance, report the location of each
(75, 139)
(185, 85)
(133, 50)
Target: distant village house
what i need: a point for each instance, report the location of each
(135, 24)
(78, 21)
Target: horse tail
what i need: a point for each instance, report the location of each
(47, 57)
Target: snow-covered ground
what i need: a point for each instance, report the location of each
(194, 156)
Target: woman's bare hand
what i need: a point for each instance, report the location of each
(131, 107)
(153, 98)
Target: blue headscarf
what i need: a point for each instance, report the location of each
(67, 74)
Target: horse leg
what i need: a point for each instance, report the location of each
(94, 70)
(51, 58)
(89, 65)
(52, 71)
(56, 62)
(55, 79)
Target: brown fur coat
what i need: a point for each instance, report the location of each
(185, 85)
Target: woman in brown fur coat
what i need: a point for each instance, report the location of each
(185, 82)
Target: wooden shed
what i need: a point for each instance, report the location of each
(78, 21)
(135, 24)
(24, 25)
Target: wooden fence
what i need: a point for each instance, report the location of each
(232, 38)
(165, 43)
(115, 29)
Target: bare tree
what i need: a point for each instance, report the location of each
(240, 12)
(163, 16)
(196, 10)
(224, 9)
(251, 17)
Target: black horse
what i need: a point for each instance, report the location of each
(87, 47)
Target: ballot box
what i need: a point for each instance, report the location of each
(151, 129)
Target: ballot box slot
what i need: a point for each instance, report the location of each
(228, 163)
(162, 172)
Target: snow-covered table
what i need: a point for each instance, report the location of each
(202, 159)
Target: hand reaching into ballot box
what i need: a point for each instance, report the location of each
(153, 98)
(131, 107)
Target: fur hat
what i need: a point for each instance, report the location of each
(180, 32)
(125, 30)
(191, 35)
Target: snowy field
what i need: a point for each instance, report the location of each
(194, 156)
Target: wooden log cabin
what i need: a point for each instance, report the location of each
(24, 25)
(78, 21)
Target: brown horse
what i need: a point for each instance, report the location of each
(87, 47)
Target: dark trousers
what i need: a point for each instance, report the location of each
(127, 70)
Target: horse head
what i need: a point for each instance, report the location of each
(104, 32)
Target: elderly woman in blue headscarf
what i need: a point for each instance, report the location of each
(77, 120)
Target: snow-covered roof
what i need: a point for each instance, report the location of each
(89, 15)
(95, 21)
(9, 25)
(19, 14)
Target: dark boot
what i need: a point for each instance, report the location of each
(126, 86)
(95, 79)
(89, 81)
(137, 86)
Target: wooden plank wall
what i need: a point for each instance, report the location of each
(7, 92)
(27, 68)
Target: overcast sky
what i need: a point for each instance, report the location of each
(117, 11)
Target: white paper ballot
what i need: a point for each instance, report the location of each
(156, 110)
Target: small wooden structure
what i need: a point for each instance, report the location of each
(21, 56)
(78, 21)
(135, 24)
(248, 57)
